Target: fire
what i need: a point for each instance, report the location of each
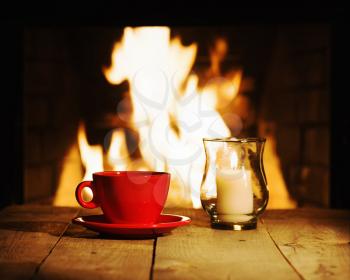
(91, 156)
(118, 156)
(171, 112)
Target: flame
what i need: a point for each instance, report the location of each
(171, 112)
(118, 152)
(70, 177)
(91, 156)
(280, 197)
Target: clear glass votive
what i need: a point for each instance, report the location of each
(234, 189)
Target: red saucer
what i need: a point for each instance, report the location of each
(165, 224)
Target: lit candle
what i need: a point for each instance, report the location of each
(234, 193)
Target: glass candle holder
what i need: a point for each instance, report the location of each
(234, 189)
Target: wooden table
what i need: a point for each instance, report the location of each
(40, 242)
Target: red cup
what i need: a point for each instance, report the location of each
(127, 196)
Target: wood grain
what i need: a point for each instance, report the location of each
(27, 235)
(199, 252)
(84, 254)
(289, 244)
(316, 242)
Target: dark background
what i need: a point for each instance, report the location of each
(12, 75)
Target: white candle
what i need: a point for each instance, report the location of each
(234, 195)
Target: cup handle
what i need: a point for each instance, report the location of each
(78, 195)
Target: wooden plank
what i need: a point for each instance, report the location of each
(199, 252)
(27, 235)
(316, 242)
(307, 213)
(84, 254)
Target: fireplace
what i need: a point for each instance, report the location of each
(282, 79)
(284, 74)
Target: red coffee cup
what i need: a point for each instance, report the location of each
(127, 196)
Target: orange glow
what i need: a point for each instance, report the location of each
(91, 156)
(171, 113)
(117, 154)
(277, 187)
(168, 107)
